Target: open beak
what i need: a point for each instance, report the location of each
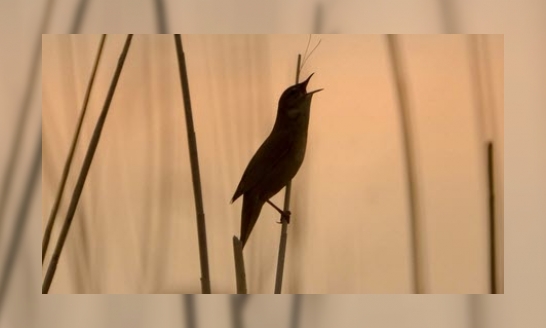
(304, 83)
(314, 91)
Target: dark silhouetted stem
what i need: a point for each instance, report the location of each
(284, 228)
(492, 225)
(194, 162)
(68, 162)
(401, 91)
(21, 219)
(85, 170)
(240, 274)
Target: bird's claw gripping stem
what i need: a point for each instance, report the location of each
(285, 215)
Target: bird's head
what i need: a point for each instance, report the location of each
(296, 99)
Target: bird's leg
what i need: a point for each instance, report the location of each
(284, 214)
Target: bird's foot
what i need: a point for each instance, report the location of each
(285, 216)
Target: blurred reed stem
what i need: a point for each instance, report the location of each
(69, 158)
(24, 110)
(318, 21)
(237, 305)
(284, 229)
(409, 156)
(296, 311)
(484, 100)
(78, 17)
(240, 274)
(189, 304)
(161, 16)
(194, 162)
(21, 219)
(85, 170)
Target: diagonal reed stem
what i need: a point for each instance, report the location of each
(85, 170)
(284, 229)
(68, 162)
(411, 173)
(194, 162)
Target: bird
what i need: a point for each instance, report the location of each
(278, 159)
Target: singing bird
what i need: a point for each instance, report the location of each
(278, 159)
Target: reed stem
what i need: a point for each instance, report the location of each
(284, 228)
(194, 162)
(68, 162)
(85, 170)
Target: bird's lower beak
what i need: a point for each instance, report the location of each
(314, 91)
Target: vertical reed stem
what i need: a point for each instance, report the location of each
(240, 274)
(194, 162)
(284, 229)
(492, 225)
(296, 312)
(402, 92)
(161, 16)
(189, 304)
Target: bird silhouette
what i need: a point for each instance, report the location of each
(279, 157)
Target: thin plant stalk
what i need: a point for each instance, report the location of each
(194, 162)
(492, 225)
(284, 228)
(85, 170)
(21, 219)
(69, 158)
(240, 274)
(409, 156)
(23, 111)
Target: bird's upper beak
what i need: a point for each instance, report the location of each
(304, 83)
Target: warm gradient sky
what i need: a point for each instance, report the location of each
(134, 230)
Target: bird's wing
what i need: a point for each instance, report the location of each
(270, 153)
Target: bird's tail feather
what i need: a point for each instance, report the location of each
(252, 207)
